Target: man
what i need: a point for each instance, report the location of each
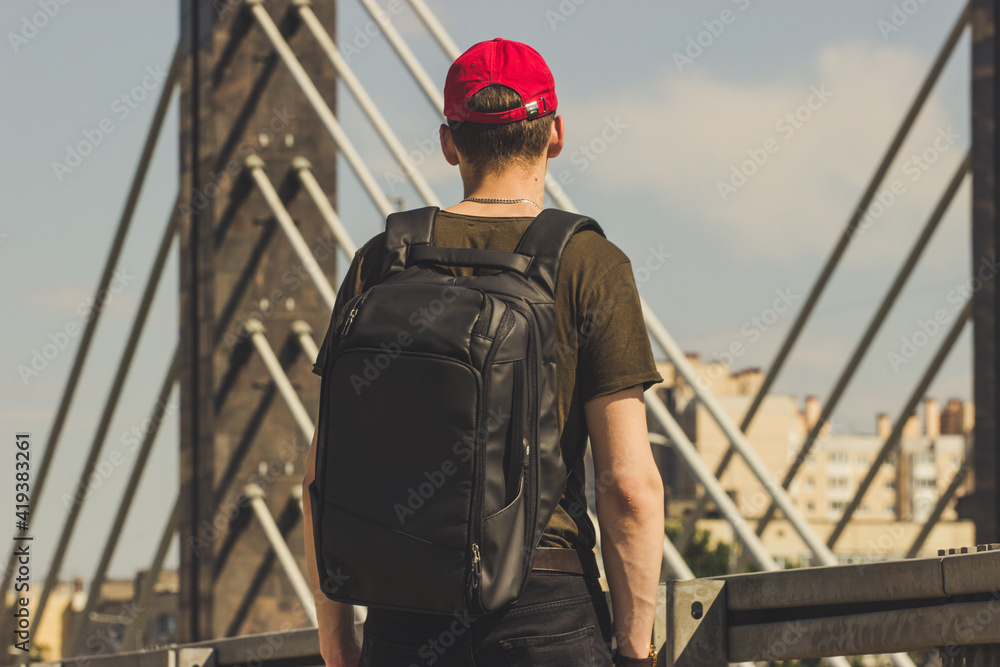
(502, 130)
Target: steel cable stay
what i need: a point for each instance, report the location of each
(892, 442)
(110, 264)
(267, 354)
(145, 597)
(939, 507)
(429, 88)
(874, 326)
(255, 165)
(104, 423)
(819, 286)
(303, 169)
(302, 419)
(319, 105)
(83, 619)
(304, 332)
(281, 550)
(743, 531)
(366, 103)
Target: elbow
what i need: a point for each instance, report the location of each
(638, 496)
(306, 481)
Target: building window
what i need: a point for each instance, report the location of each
(862, 459)
(838, 482)
(810, 483)
(838, 505)
(839, 457)
(810, 507)
(923, 458)
(166, 625)
(890, 486)
(890, 510)
(925, 483)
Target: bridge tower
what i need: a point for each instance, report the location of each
(239, 99)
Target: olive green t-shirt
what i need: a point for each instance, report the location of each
(600, 341)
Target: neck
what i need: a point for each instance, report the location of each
(517, 182)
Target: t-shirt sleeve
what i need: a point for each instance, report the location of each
(614, 352)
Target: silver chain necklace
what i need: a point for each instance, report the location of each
(497, 200)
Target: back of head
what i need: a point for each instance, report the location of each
(500, 102)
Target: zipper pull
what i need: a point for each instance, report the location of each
(347, 322)
(527, 453)
(477, 570)
(351, 313)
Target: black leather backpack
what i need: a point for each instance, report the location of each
(438, 462)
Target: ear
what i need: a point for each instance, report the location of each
(558, 138)
(448, 145)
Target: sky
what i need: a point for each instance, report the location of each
(734, 135)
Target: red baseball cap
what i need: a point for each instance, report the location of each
(503, 62)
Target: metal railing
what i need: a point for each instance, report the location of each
(950, 604)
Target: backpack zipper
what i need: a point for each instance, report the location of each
(357, 301)
(475, 565)
(531, 453)
(482, 325)
(476, 571)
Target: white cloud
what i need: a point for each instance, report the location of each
(687, 131)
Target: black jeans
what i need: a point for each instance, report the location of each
(560, 620)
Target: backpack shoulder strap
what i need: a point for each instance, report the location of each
(403, 230)
(546, 238)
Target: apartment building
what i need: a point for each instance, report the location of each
(905, 490)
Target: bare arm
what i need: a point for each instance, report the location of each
(338, 642)
(630, 512)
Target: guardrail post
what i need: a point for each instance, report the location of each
(196, 656)
(696, 633)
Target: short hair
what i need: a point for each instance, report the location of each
(491, 149)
